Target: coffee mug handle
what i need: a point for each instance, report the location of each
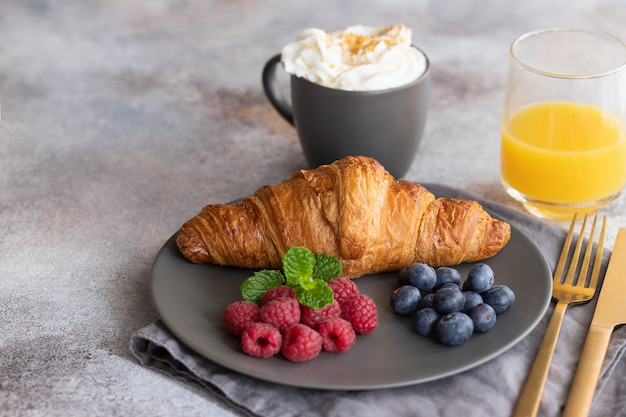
(272, 89)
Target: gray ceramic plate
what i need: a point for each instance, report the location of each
(191, 298)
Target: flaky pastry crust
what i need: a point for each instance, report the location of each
(352, 209)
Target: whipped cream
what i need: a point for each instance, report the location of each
(362, 58)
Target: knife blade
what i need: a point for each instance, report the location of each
(610, 311)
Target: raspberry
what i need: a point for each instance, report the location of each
(282, 313)
(261, 340)
(301, 343)
(313, 317)
(360, 311)
(276, 292)
(343, 288)
(337, 335)
(239, 315)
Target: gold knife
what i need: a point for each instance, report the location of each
(610, 311)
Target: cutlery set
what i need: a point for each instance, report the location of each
(570, 288)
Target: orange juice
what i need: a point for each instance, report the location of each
(564, 153)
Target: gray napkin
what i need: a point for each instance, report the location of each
(488, 390)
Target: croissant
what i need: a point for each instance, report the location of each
(352, 209)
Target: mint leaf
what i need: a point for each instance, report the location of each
(254, 287)
(316, 296)
(326, 267)
(306, 273)
(298, 265)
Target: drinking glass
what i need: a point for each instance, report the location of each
(563, 145)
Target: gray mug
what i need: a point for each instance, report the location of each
(386, 125)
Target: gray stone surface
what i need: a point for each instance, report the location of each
(120, 119)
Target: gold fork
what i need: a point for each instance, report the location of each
(566, 291)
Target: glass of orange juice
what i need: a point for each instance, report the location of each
(563, 147)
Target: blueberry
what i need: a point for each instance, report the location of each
(483, 316)
(446, 274)
(448, 299)
(423, 276)
(403, 276)
(454, 329)
(472, 299)
(479, 278)
(425, 321)
(448, 284)
(426, 301)
(404, 299)
(500, 297)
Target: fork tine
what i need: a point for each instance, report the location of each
(598, 259)
(571, 273)
(564, 251)
(582, 276)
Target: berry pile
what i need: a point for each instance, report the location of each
(280, 324)
(444, 307)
